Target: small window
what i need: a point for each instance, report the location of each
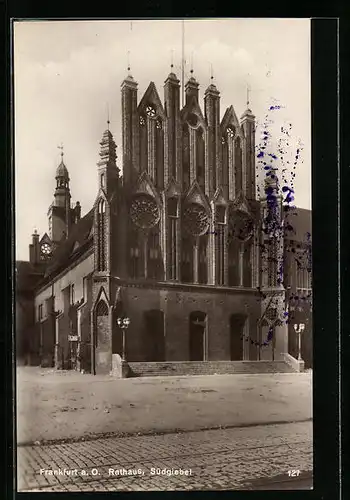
(103, 180)
(172, 207)
(220, 214)
(72, 295)
(40, 312)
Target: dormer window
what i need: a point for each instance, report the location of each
(150, 111)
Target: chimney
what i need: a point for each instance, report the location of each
(34, 248)
(77, 212)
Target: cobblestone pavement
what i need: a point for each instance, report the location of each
(214, 460)
(56, 405)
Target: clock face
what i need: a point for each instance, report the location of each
(46, 249)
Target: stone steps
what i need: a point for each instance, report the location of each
(181, 368)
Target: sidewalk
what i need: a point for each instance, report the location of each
(68, 405)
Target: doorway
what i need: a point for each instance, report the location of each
(197, 336)
(154, 343)
(237, 324)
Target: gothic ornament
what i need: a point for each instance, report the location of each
(192, 120)
(144, 211)
(241, 226)
(195, 218)
(150, 111)
(159, 124)
(142, 120)
(230, 132)
(46, 249)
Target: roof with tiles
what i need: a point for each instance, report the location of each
(79, 240)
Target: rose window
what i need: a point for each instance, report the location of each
(46, 249)
(196, 221)
(192, 119)
(241, 226)
(150, 111)
(230, 132)
(144, 211)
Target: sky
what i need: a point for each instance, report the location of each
(67, 74)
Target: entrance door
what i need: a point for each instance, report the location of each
(237, 323)
(154, 348)
(197, 335)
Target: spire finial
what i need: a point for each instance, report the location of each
(191, 64)
(108, 122)
(128, 58)
(248, 91)
(61, 148)
(172, 59)
(211, 73)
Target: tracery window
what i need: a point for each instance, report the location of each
(135, 255)
(187, 261)
(150, 111)
(203, 260)
(172, 236)
(233, 262)
(185, 156)
(238, 166)
(220, 243)
(200, 158)
(154, 255)
(159, 154)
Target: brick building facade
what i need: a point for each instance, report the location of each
(176, 244)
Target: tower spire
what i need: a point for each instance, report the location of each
(61, 148)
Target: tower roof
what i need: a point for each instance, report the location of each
(62, 171)
(108, 148)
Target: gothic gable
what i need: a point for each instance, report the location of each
(190, 109)
(144, 185)
(219, 198)
(173, 189)
(151, 96)
(230, 118)
(241, 204)
(102, 295)
(45, 239)
(195, 195)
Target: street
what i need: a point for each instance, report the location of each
(83, 433)
(219, 459)
(67, 405)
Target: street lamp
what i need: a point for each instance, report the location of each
(123, 323)
(299, 328)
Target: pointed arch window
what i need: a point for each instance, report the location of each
(185, 156)
(101, 236)
(187, 261)
(135, 255)
(143, 144)
(220, 215)
(172, 209)
(200, 158)
(103, 180)
(203, 259)
(233, 262)
(154, 255)
(159, 154)
(238, 165)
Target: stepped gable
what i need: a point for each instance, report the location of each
(79, 239)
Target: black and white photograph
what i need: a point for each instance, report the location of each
(163, 254)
